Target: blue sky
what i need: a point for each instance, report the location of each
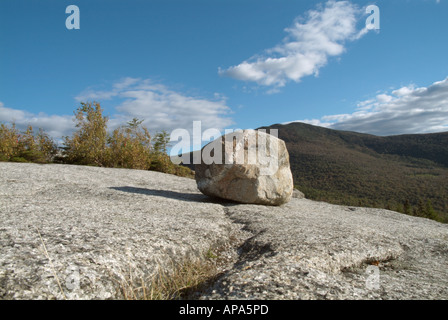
(227, 63)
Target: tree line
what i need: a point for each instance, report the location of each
(422, 209)
(419, 207)
(129, 146)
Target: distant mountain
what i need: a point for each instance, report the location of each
(407, 173)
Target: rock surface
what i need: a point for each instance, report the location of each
(315, 250)
(101, 227)
(298, 194)
(105, 225)
(253, 168)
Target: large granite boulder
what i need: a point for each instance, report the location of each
(246, 166)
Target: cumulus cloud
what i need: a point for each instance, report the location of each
(409, 109)
(160, 107)
(99, 95)
(55, 125)
(310, 41)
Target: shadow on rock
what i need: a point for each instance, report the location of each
(189, 197)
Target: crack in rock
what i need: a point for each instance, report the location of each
(101, 225)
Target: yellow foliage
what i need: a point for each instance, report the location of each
(26, 146)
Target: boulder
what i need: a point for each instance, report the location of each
(246, 166)
(89, 233)
(298, 194)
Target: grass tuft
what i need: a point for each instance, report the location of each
(179, 282)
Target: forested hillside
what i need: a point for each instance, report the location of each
(406, 173)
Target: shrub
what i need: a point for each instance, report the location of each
(46, 146)
(9, 142)
(25, 147)
(88, 144)
(129, 147)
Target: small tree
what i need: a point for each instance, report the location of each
(429, 211)
(88, 144)
(30, 148)
(161, 142)
(419, 210)
(407, 207)
(130, 146)
(9, 142)
(399, 208)
(47, 147)
(160, 159)
(25, 146)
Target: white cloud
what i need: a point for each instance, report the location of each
(160, 107)
(163, 108)
(383, 98)
(99, 95)
(403, 91)
(307, 47)
(55, 125)
(406, 110)
(314, 122)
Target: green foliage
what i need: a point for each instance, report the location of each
(87, 145)
(129, 146)
(422, 209)
(160, 160)
(26, 146)
(161, 142)
(407, 207)
(9, 142)
(350, 168)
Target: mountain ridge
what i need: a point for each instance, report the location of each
(353, 168)
(407, 173)
(402, 140)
